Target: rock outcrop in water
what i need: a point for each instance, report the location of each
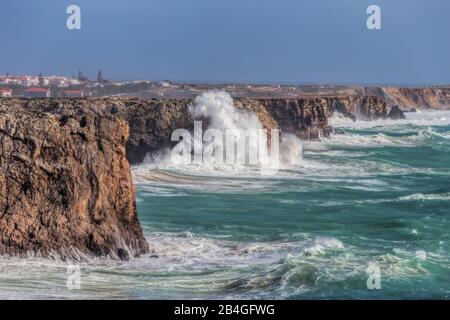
(359, 107)
(306, 118)
(65, 183)
(396, 113)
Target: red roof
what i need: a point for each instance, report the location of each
(5, 90)
(36, 90)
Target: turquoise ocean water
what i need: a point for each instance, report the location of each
(374, 193)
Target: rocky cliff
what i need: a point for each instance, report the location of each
(419, 98)
(152, 121)
(413, 98)
(65, 183)
(307, 118)
(66, 186)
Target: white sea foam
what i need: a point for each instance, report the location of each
(219, 109)
(205, 266)
(377, 139)
(321, 245)
(368, 140)
(423, 119)
(420, 196)
(417, 128)
(422, 255)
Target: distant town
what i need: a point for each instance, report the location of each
(40, 86)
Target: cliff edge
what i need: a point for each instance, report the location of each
(65, 185)
(152, 121)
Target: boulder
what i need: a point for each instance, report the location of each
(396, 113)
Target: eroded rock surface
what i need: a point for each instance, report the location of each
(65, 184)
(152, 121)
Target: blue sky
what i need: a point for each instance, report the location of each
(277, 41)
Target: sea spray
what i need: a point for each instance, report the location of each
(233, 137)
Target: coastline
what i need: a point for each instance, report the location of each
(151, 122)
(308, 233)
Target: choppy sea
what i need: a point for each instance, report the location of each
(375, 193)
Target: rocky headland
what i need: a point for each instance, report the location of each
(152, 121)
(66, 186)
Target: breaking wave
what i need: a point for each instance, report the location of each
(250, 152)
(420, 118)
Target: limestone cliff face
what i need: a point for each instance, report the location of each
(409, 98)
(65, 183)
(413, 98)
(152, 121)
(359, 107)
(307, 118)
